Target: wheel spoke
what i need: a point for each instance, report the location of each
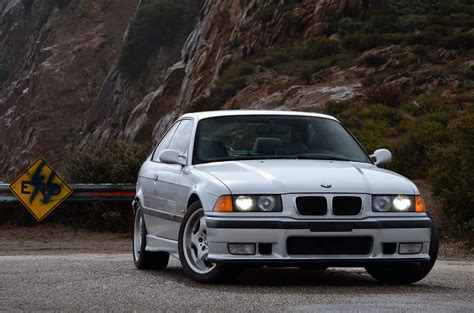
(202, 253)
(202, 225)
(195, 239)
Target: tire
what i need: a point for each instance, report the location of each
(407, 273)
(192, 238)
(142, 259)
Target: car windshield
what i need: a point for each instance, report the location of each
(247, 137)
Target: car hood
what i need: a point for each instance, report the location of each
(307, 176)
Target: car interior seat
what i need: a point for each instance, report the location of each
(267, 146)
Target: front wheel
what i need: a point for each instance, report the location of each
(193, 247)
(407, 273)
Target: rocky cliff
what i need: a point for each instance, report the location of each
(63, 86)
(58, 54)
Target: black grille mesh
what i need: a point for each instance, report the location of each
(346, 205)
(312, 205)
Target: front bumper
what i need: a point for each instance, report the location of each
(275, 232)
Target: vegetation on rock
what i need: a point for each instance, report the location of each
(157, 24)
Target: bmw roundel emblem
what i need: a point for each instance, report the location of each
(326, 185)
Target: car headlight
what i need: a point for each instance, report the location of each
(400, 203)
(249, 203)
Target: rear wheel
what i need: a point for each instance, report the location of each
(407, 273)
(141, 258)
(193, 247)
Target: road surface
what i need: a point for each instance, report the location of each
(108, 281)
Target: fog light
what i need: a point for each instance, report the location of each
(242, 248)
(410, 248)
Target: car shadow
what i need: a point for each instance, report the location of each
(338, 279)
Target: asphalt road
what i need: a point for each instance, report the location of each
(110, 282)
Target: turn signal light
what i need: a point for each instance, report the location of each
(224, 204)
(419, 204)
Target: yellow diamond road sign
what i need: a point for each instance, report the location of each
(40, 189)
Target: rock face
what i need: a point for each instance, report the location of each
(226, 33)
(58, 56)
(64, 89)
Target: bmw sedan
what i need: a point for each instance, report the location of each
(228, 189)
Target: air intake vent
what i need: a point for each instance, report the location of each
(312, 205)
(329, 245)
(346, 205)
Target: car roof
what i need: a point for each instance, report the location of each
(209, 114)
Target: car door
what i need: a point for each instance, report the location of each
(156, 220)
(165, 189)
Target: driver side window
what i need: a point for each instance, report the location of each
(164, 143)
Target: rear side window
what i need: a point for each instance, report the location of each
(164, 142)
(182, 137)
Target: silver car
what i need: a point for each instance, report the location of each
(227, 189)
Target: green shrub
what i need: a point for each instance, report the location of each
(275, 57)
(458, 41)
(349, 25)
(157, 23)
(419, 50)
(115, 221)
(234, 79)
(410, 23)
(425, 38)
(423, 128)
(451, 174)
(374, 60)
(418, 7)
(363, 42)
(113, 162)
(318, 48)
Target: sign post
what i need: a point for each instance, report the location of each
(40, 189)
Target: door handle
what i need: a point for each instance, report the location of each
(155, 178)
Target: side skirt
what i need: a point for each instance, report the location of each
(160, 244)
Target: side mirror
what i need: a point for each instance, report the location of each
(381, 157)
(171, 156)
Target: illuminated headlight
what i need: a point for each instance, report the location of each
(398, 203)
(253, 203)
(245, 203)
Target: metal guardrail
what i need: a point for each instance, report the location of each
(85, 193)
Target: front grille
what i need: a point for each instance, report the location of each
(329, 245)
(346, 205)
(312, 205)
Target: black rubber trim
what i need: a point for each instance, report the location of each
(329, 262)
(163, 215)
(332, 226)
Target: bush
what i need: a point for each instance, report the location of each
(275, 57)
(423, 127)
(234, 78)
(458, 41)
(363, 42)
(113, 162)
(349, 25)
(157, 23)
(419, 7)
(452, 176)
(315, 49)
(374, 60)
